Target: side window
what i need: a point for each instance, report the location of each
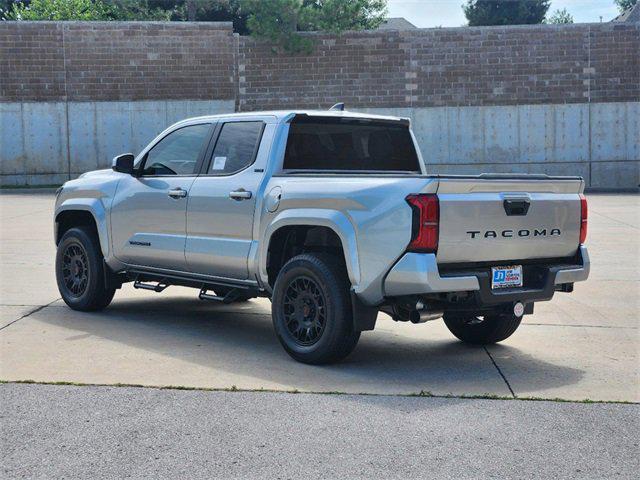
(178, 152)
(236, 147)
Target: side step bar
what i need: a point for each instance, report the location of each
(158, 283)
(158, 287)
(228, 298)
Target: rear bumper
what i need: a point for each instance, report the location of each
(418, 274)
(576, 273)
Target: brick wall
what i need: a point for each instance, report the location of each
(448, 67)
(31, 61)
(86, 61)
(615, 63)
(89, 61)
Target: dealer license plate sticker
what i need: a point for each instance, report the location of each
(506, 277)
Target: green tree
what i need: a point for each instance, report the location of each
(559, 17)
(130, 10)
(60, 10)
(505, 12)
(5, 5)
(207, 11)
(275, 20)
(625, 4)
(85, 10)
(337, 16)
(280, 20)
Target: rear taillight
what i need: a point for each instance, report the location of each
(426, 216)
(583, 219)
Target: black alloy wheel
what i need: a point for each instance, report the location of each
(75, 269)
(304, 311)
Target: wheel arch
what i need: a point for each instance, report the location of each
(312, 229)
(80, 212)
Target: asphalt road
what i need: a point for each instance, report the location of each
(122, 432)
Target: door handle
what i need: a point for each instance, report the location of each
(177, 193)
(240, 194)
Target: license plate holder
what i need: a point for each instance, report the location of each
(506, 277)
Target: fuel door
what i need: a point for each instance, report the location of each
(273, 199)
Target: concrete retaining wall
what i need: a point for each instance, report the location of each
(55, 141)
(47, 143)
(598, 141)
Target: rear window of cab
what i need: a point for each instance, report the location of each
(350, 145)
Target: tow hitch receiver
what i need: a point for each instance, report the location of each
(518, 309)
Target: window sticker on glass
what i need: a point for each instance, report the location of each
(219, 163)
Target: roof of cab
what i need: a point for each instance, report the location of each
(287, 115)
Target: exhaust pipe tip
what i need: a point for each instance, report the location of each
(414, 316)
(424, 315)
(418, 314)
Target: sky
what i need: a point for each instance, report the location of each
(448, 13)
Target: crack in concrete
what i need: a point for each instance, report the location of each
(578, 326)
(635, 227)
(500, 372)
(35, 310)
(18, 305)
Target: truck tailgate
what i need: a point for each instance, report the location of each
(493, 218)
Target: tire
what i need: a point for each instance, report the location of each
(311, 309)
(80, 271)
(490, 329)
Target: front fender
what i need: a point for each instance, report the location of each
(335, 220)
(97, 209)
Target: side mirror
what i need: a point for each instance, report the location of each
(123, 163)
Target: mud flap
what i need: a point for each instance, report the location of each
(111, 280)
(364, 317)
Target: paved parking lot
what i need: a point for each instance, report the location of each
(579, 346)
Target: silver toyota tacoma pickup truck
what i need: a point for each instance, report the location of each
(332, 215)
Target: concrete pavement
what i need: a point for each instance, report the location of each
(108, 432)
(579, 346)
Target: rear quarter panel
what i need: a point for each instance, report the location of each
(368, 212)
